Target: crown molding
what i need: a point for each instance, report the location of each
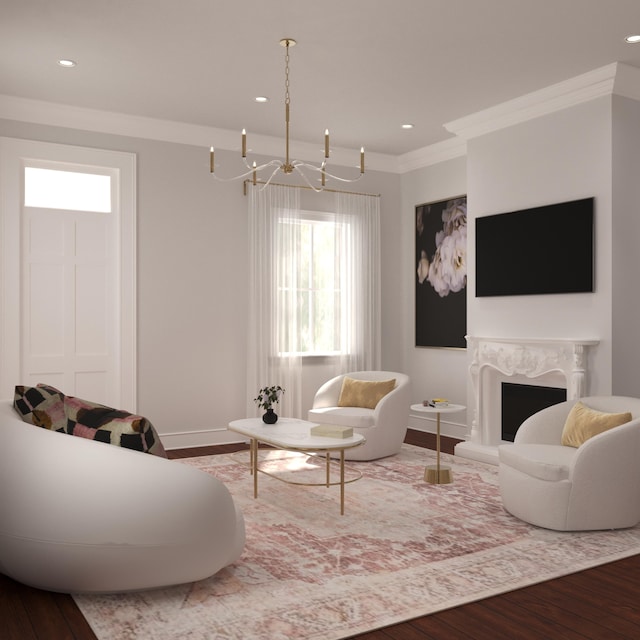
(627, 82)
(122, 124)
(432, 154)
(616, 78)
(613, 78)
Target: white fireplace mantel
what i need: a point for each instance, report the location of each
(557, 362)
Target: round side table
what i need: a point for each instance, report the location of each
(437, 474)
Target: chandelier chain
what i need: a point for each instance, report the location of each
(287, 99)
(287, 167)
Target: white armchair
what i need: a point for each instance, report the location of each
(594, 486)
(384, 427)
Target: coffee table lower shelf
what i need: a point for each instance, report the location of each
(293, 435)
(298, 467)
(255, 467)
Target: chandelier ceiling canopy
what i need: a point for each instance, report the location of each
(287, 166)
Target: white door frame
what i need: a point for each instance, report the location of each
(14, 153)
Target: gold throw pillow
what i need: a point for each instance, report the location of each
(583, 423)
(364, 393)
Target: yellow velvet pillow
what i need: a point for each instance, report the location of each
(584, 423)
(364, 393)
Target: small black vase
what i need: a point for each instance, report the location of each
(270, 417)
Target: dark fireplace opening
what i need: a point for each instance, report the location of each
(519, 401)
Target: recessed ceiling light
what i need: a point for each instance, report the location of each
(407, 126)
(66, 63)
(261, 99)
(633, 39)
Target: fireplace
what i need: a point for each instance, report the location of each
(560, 363)
(519, 401)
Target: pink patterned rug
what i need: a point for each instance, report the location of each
(403, 549)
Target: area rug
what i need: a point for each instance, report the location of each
(403, 549)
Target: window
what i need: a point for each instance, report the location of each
(310, 276)
(69, 190)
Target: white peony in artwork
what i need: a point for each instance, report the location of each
(447, 270)
(423, 267)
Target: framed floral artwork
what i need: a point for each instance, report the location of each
(441, 273)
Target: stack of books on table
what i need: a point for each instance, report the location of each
(436, 402)
(331, 431)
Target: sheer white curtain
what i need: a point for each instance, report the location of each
(361, 330)
(279, 327)
(273, 356)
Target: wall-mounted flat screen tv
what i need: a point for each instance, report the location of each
(542, 250)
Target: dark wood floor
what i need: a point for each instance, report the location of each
(601, 603)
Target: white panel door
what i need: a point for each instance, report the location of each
(67, 271)
(69, 301)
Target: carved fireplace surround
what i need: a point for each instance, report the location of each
(558, 363)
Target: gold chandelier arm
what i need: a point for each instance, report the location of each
(297, 164)
(272, 163)
(263, 184)
(296, 167)
(273, 173)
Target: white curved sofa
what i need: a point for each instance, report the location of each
(593, 486)
(384, 427)
(83, 516)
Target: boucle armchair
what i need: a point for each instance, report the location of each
(593, 486)
(384, 427)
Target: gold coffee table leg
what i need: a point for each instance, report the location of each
(328, 463)
(437, 474)
(254, 465)
(341, 482)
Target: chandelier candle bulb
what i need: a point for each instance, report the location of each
(211, 162)
(326, 143)
(244, 143)
(361, 159)
(254, 172)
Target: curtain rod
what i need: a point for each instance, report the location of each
(302, 186)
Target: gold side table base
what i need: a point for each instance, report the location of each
(434, 474)
(437, 473)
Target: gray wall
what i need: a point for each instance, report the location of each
(625, 237)
(434, 372)
(192, 278)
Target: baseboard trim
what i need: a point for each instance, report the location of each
(222, 435)
(203, 438)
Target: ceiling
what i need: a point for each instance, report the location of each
(361, 68)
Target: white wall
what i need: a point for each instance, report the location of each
(554, 158)
(433, 372)
(626, 234)
(192, 275)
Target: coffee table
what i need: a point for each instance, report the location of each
(292, 434)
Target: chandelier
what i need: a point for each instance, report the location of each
(288, 166)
